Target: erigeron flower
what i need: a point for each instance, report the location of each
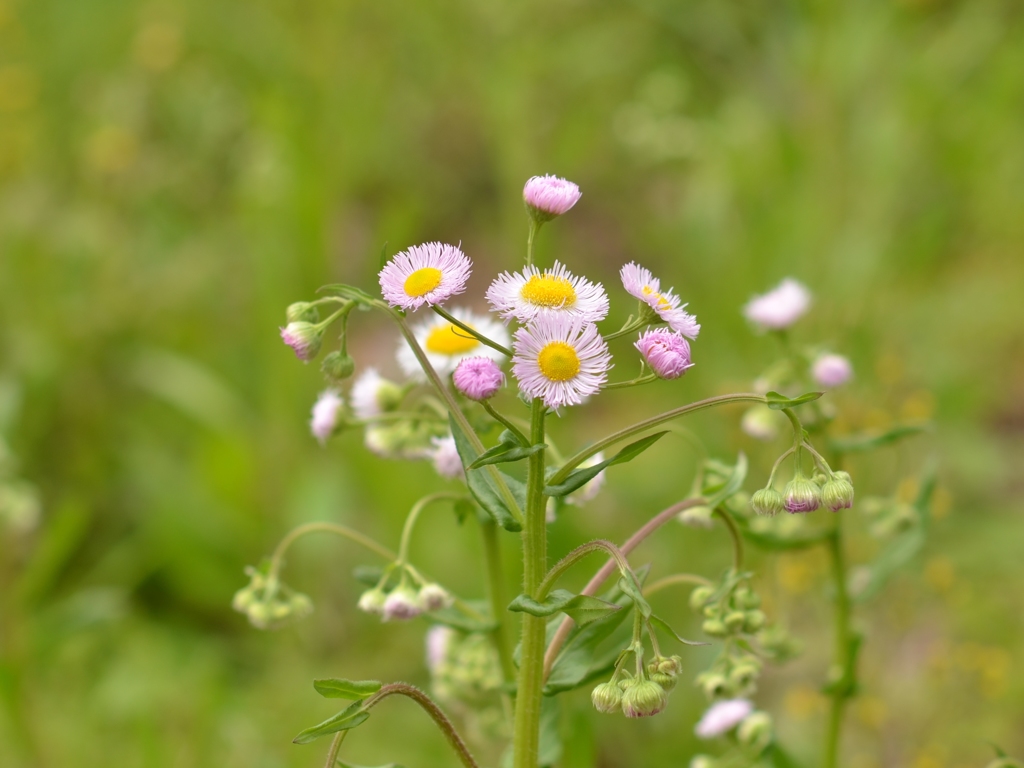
(445, 456)
(372, 394)
(447, 345)
(643, 699)
(802, 495)
(429, 274)
(780, 307)
(560, 360)
(831, 370)
(325, 414)
(402, 604)
(535, 293)
(478, 378)
(722, 716)
(666, 352)
(549, 196)
(639, 282)
(304, 339)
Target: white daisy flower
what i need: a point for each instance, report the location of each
(560, 360)
(447, 345)
(639, 282)
(532, 293)
(325, 415)
(429, 274)
(780, 307)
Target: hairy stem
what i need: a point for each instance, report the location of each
(608, 569)
(676, 578)
(332, 753)
(575, 556)
(340, 530)
(845, 660)
(526, 729)
(737, 539)
(642, 426)
(472, 332)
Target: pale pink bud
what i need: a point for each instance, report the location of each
(402, 604)
(780, 307)
(549, 196)
(831, 371)
(722, 717)
(304, 338)
(667, 353)
(478, 378)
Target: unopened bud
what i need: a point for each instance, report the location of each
(372, 601)
(761, 423)
(673, 665)
(745, 597)
(802, 495)
(767, 501)
(734, 620)
(714, 684)
(243, 599)
(756, 730)
(304, 338)
(644, 699)
(402, 604)
(699, 596)
(338, 365)
(434, 597)
(714, 628)
(837, 493)
(667, 682)
(302, 312)
(743, 675)
(606, 698)
(754, 621)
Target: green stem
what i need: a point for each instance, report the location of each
(428, 706)
(534, 229)
(340, 530)
(575, 556)
(677, 578)
(505, 422)
(498, 596)
(332, 753)
(574, 461)
(844, 655)
(414, 513)
(737, 539)
(472, 332)
(633, 382)
(526, 729)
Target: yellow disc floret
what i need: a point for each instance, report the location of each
(549, 291)
(448, 339)
(662, 301)
(422, 281)
(558, 361)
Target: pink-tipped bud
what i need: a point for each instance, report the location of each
(549, 196)
(643, 699)
(478, 378)
(837, 492)
(304, 338)
(831, 371)
(434, 597)
(802, 495)
(326, 415)
(722, 717)
(402, 604)
(666, 352)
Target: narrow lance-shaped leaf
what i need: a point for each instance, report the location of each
(482, 487)
(505, 454)
(339, 688)
(581, 477)
(777, 402)
(663, 625)
(347, 718)
(583, 609)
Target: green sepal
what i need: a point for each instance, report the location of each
(339, 688)
(347, 718)
(663, 625)
(777, 402)
(583, 609)
(481, 484)
(580, 477)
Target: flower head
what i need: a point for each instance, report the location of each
(639, 282)
(478, 378)
(445, 456)
(802, 495)
(607, 698)
(534, 293)
(304, 339)
(447, 345)
(780, 307)
(434, 597)
(667, 353)
(767, 501)
(831, 370)
(837, 492)
(722, 717)
(429, 274)
(372, 395)
(561, 360)
(325, 414)
(403, 603)
(372, 601)
(549, 196)
(643, 699)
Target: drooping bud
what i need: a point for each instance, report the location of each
(837, 493)
(326, 413)
(722, 716)
(304, 338)
(831, 371)
(302, 312)
(338, 365)
(402, 604)
(373, 395)
(434, 597)
(756, 730)
(607, 698)
(667, 682)
(745, 597)
(734, 620)
(666, 352)
(700, 596)
(744, 675)
(372, 601)
(802, 495)
(714, 628)
(673, 665)
(644, 699)
(761, 423)
(478, 378)
(714, 684)
(549, 196)
(767, 501)
(753, 621)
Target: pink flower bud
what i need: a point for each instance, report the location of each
(549, 196)
(722, 717)
(304, 338)
(832, 371)
(478, 378)
(667, 353)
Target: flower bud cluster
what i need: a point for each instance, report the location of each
(642, 695)
(268, 603)
(833, 491)
(404, 602)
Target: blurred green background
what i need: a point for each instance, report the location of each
(172, 175)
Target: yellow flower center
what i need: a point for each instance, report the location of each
(422, 281)
(663, 303)
(448, 339)
(558, 361)
(549, 291)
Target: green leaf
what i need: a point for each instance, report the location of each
(482, 485)
(632, 590)
(505, 454)
(732, 484)
(579, 661)
(777, 402)
(583, 609)
(663, 625)
(580, 477)
(871, 441)
(347, 718)
(456, 619)
(339, 688)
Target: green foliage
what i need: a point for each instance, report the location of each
(338, 688)
(580, 477)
